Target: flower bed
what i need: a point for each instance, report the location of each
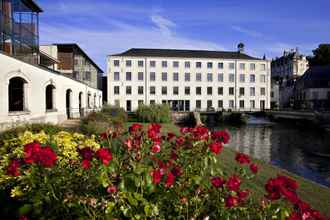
(139, 174)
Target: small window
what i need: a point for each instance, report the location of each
(231, 77)
(263, 78)
(128, 90)
(199, 65)
(198, 90)
(209, 90)
(220, 104)
(220, 90)
(252, 66)
(187, 77)
(175, 64)
(175, 76)
(140, 76)
(175, 90)
(187, 64)
(231, 66)
(128, 76)
(116, 62)
(140, 63)
(152, 102)
(263, 67)
(231, 91)
(164, 64)
(241, 104)
(129, 105)
(252, 91)
(128, 63)
(140, 90)
(140, 102)
(242, 78)
(209, 104)
(220, 65)
(231, 104)
(116, 76)
(152, 90)
(152, 63)
(187, 90)
(116, 90)
(198, 77)
(164, 90)
(262, 91)
(220, 77)
(88, 76)
(164, 76)
(209, 77)
(198, 104)
(209, 65)
(252, 104)
(242, 66)
(241, 91)
(252, 78)
(152, 76)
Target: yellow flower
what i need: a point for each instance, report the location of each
(41, 137)
(16, 192)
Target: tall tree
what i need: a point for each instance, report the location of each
(321, 56)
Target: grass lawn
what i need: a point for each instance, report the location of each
(316, 195)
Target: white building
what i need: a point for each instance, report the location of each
(189, 80)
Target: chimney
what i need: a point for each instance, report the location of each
(241, 47)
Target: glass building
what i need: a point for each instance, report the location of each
(19, 29)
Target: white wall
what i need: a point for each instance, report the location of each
(37, 79)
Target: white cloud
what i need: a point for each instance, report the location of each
(246, 31)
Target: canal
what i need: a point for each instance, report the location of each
(304, 151)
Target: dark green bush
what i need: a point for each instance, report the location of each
(116, 113)
(153, 113)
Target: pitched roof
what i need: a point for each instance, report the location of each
(33, 5)
(139, 52)
(316, 77)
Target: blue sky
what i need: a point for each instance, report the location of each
(103, 27)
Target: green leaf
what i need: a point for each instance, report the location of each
(25, 209)
(110, 207)
(132, 201)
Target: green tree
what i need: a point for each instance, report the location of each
(321, 56)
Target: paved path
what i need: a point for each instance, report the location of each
(70, 123)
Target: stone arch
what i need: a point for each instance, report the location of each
(50, 94)
(68, 105)
(17, 94)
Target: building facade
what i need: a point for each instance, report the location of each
(74, 62)
(29, 92)
(189, 80)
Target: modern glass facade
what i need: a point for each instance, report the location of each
(19, 29)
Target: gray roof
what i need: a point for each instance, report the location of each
(316, 77)
(139, 52)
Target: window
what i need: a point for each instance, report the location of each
(50, 90)
(175, 76)
(199, 65)
(252, 91)
(220, 90)
(116, 62)
(187, 64)
(198, 90)
(129, 105)
(209, 77)
(209, 103)
(116, 76)
(263, 67)
(252, 66)
(128, 76)
(220, 65)
(220, 77)
(152, 90)
(152, 102)
(140, 76)
(175, 90)
(231, 90)
(87, 75)
(231, 66)
(209, 65)
(231, 104)
(187, 77)
(263, 78)
(164, 90)
(140, 90)
(175, 64)
(140, 63)
(198, 77)
(252, 78)
(164, 76)
(272, 94)
(252, 104)
(241, 104)
(198, 104)
(116, 90)
(187, 90)
(164, 64)
(128, 63)
(152, 63)
(220, 104)
(152, 76)
(231, 77)
(128, 90)
(187, 105)
(209, 90)
(241, 91)
(262, 91)
(242, 78)
(242, 66)
(140, 102)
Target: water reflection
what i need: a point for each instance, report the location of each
(287, 147)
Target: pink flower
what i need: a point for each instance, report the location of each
(112, 189)
(217, 181)
(155, 148)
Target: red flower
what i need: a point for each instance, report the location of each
(104, 136)
(216, 147)
(134, 128)
(231, 201)
(200, 133)
(242, 158)
(156, 176)
(169, 180)
(86, 153)
(254, 168)
(179, 141)
(86, 164)
(170, 136)
(233, 183)
(13, 168)
(155, 148)
(47, 157)
(129, 144)
(289, 195)
(104, 155)
(281, 185)
(242, 195)
(294, 216)
(222, 136)
(176, 171)
(23, 217)
(112, 189)
(31, 152)
(217, 182)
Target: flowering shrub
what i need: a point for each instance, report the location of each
(139, 174)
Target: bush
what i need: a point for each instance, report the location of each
(139, 174)
(154, 113)
(235, 119)
(115, 113)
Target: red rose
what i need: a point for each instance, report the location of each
(233, 183)
(222, 136)
(86, 164)
(254, 168)
(179, 141)
(13, 168)
(86, 153)
(134, 128)
(176, 171)
(242, 158)
(217, 181)
(231, 201)
(155, 148)
(104, 136)
(216, 147)
(47, 157)
(200, 133)
(169, 180)
(242, 195)
(31, 152)
(112, 189)
(289, 195)
(104, 155)
(156, 176)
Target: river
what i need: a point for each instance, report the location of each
(285, 146)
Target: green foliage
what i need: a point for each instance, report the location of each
(154, 113)
(321, 56)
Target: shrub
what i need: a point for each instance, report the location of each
(115, 113)
(154, 113)
(139, 174)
